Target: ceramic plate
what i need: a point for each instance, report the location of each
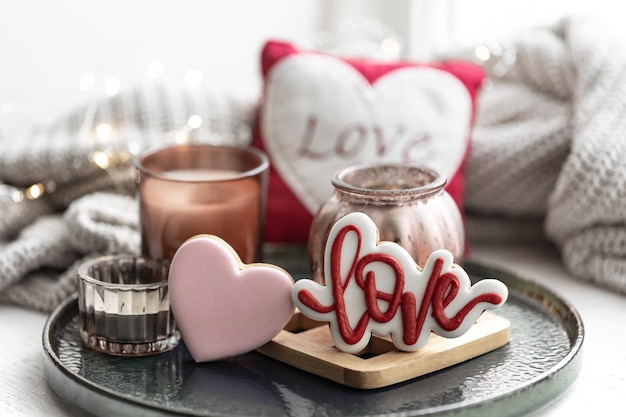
(539, 363)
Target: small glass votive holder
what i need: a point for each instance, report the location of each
(124, 306)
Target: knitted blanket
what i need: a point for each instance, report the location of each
(550, 144)
(67, 190)
(548, 149)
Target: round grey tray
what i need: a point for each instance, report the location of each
(539, 363)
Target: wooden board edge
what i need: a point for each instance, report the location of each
(489, 333)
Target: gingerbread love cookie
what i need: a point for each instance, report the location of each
(223, 307)
(377, 288)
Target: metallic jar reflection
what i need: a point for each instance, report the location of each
(407, 203)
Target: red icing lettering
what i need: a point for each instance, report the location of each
(441, 290)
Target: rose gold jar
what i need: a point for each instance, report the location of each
(407, 203)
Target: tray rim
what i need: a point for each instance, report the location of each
(572, 362)
(99, 393)
(565, 371)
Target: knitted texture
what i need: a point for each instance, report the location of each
(548, 149)
(38, 268)
(550, 143)
(86, 209)
(60, 157)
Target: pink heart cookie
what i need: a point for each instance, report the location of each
(223, 307)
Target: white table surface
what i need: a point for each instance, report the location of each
(601, 383)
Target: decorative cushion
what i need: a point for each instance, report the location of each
(321, 113)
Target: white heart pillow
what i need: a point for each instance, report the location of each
(322, 113)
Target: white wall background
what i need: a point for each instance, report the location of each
(47, 46)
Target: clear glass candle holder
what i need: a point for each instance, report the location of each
(124, 306)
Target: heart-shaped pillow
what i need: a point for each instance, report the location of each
(222, 307)
(322, 113)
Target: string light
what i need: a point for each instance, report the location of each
(35, 191)
(17, 196)
(103, 131)
(359, 37)
(391, 46)
(194, 121)
(497, 58)
(193, 78)
(108, 156)
(11, 193)
(133, 148)
(101, 159)
(181, 137)
(482, 53)
(51, 186)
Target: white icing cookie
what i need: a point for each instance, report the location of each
(377, 288)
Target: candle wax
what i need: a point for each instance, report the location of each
(200, 201)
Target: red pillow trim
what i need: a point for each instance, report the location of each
(288, 220)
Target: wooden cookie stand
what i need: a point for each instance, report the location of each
(308, 345)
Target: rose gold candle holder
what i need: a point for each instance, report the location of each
(188, 190)
(407, 203)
